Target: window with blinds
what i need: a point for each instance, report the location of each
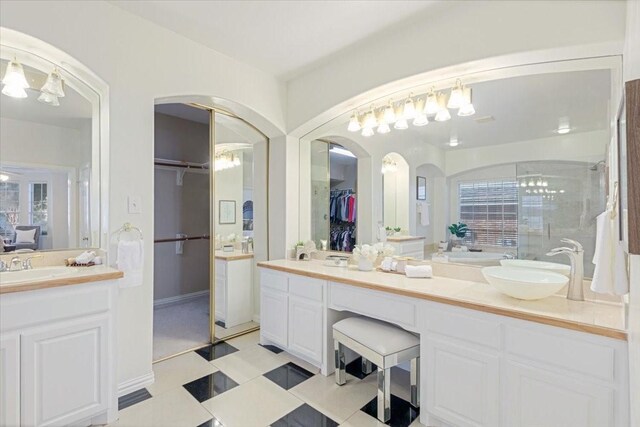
(490, 210)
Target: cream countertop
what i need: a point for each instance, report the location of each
(81, 275)
(232, 256)
(598, 318)
(403, 238)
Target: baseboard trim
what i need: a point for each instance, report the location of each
(135, 384)
(178, 299)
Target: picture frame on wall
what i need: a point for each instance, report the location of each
(421, 188)
(227, 212)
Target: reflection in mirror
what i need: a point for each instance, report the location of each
(334, 177)
(522, 170)
(49, 168)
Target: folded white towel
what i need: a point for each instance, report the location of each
(610, 274)
(418, 271)
(387, 264)
(86, 257)
(130, 262)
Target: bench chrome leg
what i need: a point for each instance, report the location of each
(415, 382)
(384, 394)
(366, 366)
(341, 373)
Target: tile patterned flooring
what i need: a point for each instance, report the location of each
(241, 383)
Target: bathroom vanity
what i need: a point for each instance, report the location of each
(57, 351)
(486, 359)
(234, 282)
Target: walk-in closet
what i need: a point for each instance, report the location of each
(206, 240)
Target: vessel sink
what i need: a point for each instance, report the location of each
(524, 283)
(553, 267)
(12, 277)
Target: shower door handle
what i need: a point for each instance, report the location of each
(549, 230)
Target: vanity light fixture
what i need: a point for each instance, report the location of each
(421, 120)
(523, 184)
(383, 128)
(431, 106)
(453, 142)
(443, 113)
(370, 119)
(54, 84)
(388, 165)
(226, 160)
(409, 111)
(563, 130)
(14, 80)
(367, 132)
(532, 183)
(563, 126)
(456, 99)
(466, 109)
(389, 115)
(354, 123)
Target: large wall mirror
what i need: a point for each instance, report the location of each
(519, 155)
(49, 156)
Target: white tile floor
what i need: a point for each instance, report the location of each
(231, 390)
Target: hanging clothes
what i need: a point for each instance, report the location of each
(342, 212)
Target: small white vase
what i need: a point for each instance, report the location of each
(365, 265)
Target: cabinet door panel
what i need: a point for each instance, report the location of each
(305, 328)
(536, 397)
(462, 383)
(64, 372)
(274, 316)
(10, 380)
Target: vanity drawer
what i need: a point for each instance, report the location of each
(463, 325)
(563, 350)
(378, 305)
(277, 281)
(408, 247)
(306, 287)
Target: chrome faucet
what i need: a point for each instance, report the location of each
(576, 256)
(15, 264)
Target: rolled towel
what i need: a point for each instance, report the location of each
(418, 271)
(386, 264)
(85, 257)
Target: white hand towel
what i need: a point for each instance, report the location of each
(423, 210)
(610, 274)
(130, 262)
(418, 271)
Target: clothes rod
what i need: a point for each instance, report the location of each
(179, 164)
(182, 239)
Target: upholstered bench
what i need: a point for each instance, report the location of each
(385, 345)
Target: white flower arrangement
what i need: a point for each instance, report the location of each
(372, 252)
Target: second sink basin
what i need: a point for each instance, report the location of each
(11, 277)
(524, 283)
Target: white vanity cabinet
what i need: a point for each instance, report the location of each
(57, 356)
(292, 314)
(234, 295)
(407, 246)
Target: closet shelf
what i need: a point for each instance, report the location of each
(182, 239)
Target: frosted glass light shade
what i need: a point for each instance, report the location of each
(48, 99)
(389, 114)
(421, 120)
(456, 99)
(14, 91)
(383, 128)
(466, 109)
(53, 85)
(354, 123)
(401, 124)
(431, 105)
(409, 109)
(367, 132)
(14, 75)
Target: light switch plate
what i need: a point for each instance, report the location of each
(134, 203)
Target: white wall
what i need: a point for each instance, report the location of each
(140, 62)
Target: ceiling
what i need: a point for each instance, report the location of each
(283, 38)
(523, 108)
(74, 110)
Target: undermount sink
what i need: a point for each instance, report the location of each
(524, 283)
(553, 267)
(12, 277)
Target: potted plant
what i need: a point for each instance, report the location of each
(458, 230)
(397, 230)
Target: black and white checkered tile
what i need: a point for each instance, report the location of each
(287, 376)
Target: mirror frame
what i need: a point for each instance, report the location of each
(39, 54)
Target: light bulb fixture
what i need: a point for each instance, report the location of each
(456, 98)
(523, 184)
(383, 128)
(367, 132)
(48, 99)
(431, 106)
(421, 120)
(54, 84)
(389, 114)
(388, 165)
(563, 126)
(4, 178)
(453, 142)
(370, 119)
(409, 108)
(539, 183)
(532, 183)
(563, 130)
(226, 160)
(545, 184)
(401, 124)
(466, 109)
(354, 123)
(443, 113)
(14, 80)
